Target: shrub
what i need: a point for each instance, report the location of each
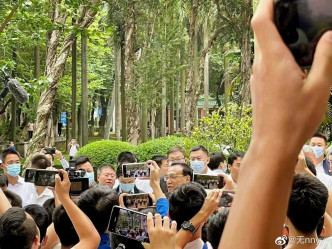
(104, 151)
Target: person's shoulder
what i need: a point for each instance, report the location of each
(325, 243)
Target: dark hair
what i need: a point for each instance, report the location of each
(64, 227)
(97, 204)
(48, 153)
(7, 152)
(159, 159)
(307, 202)
(216, 225)
(80, 160)
(49, 206)
(185, 201)
(176, 149)
(199, 147)
(186, 170)
(104, 166)
(126, 157)
(233, 156)
(16, 229)
(3, 180)
(14, 199)
(215, 159)
(317, 134)
(311, 165)
(40, 216)
(40, 162)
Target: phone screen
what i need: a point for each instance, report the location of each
(301, 23)
(137, 201)
(30, 175)
(135, 170)
(209, 181)
(129, 223)
(45, 178)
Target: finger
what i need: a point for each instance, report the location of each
(64, 173)
(149, 222)
(158, 222)
(166, 222)
(174, 227)
(57, 180)
(320, 75)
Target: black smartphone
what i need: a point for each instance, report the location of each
(45, 177)
(209, 181)
(128, 223)
(301, 23)
(135, 170)
(50, 150)
(30, 175)
(138, 201)
(226, 199)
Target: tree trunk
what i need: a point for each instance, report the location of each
(132, 107)
(74, 90)
(206, 71)
(144, 121)
(37, 62)
(79, 125)
(123, 98)
(171, 108)
(110, 115)
(55, 65)
(117, 93)
(84, 87)
(92, 121)
(102, 121)
(177, 104)
(246, 54)
(163, 108)
(183, 90)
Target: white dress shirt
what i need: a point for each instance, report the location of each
(325, 179)
(320, 168)
(44, 196)
(25, 190)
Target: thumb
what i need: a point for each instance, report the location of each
(321, 70)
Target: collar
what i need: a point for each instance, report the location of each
(46, 192)
(20, 180)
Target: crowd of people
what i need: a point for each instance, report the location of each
(282, 193)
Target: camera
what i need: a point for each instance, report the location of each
(301, 23)
(77, 180)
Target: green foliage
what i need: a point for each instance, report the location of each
(104, 151)
(228, 126)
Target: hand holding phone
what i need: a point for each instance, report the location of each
(135, 170)
(226, 199)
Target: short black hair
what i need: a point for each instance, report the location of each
(49, 206)
(184, 202)
(3, 181)
(233, 156)
(176, 149)
(215, 159)
(14, 199)
(40, 216)
(216, 225)
(186, 170)
(64, 227)
(104, 166)
(199, 147)
(7, 152)
(97, 204)
(307, 203)
(317, 134)
(159, 159)
(16, 229)
(80, 160)
(311, 166)
(126, 157)
(40, 162)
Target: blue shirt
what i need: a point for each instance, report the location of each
(162, 206)
(105, 242)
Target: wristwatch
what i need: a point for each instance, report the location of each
(188, 226)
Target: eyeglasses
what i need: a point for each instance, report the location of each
(171, 177)
(110, 176)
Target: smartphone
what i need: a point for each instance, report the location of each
(209, 181)
(30, 175)
(50, 150)
(301, 23)
(135, 170)
(45, 177)
(128, 223)
(226, 199)
(138, 201)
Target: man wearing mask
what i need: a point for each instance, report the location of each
(83, 162)
(12, 167)
(126, 185)
(199, 160)
(318, 142)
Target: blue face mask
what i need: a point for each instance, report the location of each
(318, 151)
(197, 166)
(14, 169)
(90, 176)
(126, 187)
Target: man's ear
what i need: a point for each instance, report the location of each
(208, 160)
(43, 243)
(322, 234)
(188, 178)
(36, 241)
(229, 167)
(98, 177)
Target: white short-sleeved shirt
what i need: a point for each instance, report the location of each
(326, 180)
(25, 190)
(47, 194)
